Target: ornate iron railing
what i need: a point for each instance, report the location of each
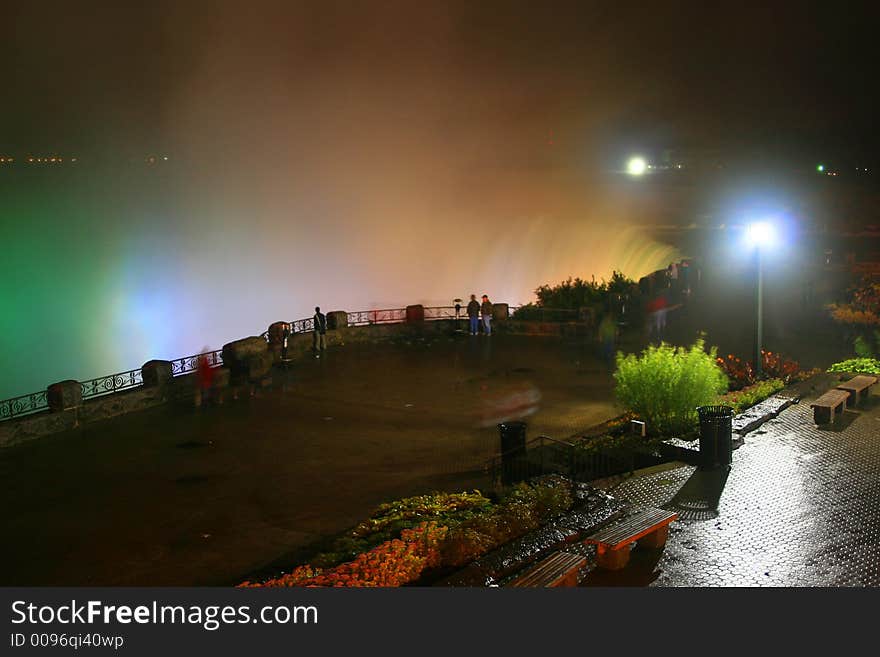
(387, 316)
(191, 363)
(104, 385)
(24, 405)
(444, 312)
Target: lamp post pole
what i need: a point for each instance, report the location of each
(759, 298)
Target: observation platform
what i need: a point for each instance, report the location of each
(179, 496)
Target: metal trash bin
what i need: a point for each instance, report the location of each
(513, 452)
(716, 439)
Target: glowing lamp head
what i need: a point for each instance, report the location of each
(761, 234)
(636, 166)
(820, 168)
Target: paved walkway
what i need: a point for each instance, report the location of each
(800, 507)
(171, 496)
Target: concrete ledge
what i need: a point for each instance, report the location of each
(29, 427)
(128, 401)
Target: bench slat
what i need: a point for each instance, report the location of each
(858, 383)
(830, 399)
(628, 529)
(550, 570)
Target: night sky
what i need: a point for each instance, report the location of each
(374, 154)
(492, 81)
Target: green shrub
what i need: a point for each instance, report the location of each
(619, 445)
(857, 366)
(665, 385)
(863, 347)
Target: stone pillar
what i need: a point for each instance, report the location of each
(337, 319)
(415, 313)
(64, 395)
(156, 373)
(247, 359)
(276, 332)
(500, 311)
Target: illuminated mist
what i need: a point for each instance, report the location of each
(376, 168)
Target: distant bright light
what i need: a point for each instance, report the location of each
(761, 234)
(820, 168)
(636, 166)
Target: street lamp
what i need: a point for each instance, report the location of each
(759, 236)
(636, 166)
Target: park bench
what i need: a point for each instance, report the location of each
(648, 527)
(858, 387)
(558, 569)
(826, 407)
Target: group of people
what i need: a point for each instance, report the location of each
(476, 312)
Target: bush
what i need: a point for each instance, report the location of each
(860, 310)
(741, 373)
(574, 294)
(666, 384)
(857, 366)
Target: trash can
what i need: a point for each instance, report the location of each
(716, 441)
(513, 452)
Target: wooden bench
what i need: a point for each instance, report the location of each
(559, 569)
(858, 387)
(829, 405)
(648, 527)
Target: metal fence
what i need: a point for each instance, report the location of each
(104, 385)
(191, 363)
(24, 405)
(545, 455)
(367, 317)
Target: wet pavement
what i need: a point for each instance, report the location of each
(799, 507)
(172, 496)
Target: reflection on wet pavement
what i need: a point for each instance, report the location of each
(799, 507)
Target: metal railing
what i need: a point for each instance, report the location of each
(191, 363)
(541, 314)
(33, 402)
(36, 402)
(546, 455)
(104, 385)
(367, 317)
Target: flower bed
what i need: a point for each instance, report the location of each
(741, 373)
(404, 539)
(753, 394)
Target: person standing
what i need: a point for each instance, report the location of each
(473, 311)
(204, 379)
(319, 334)
(608, 338)
(486, 311)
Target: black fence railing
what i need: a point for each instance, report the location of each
(545, 455)
(191, 363)
(104, 385)
(367, 317)
(541, 314)
(24, 405)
